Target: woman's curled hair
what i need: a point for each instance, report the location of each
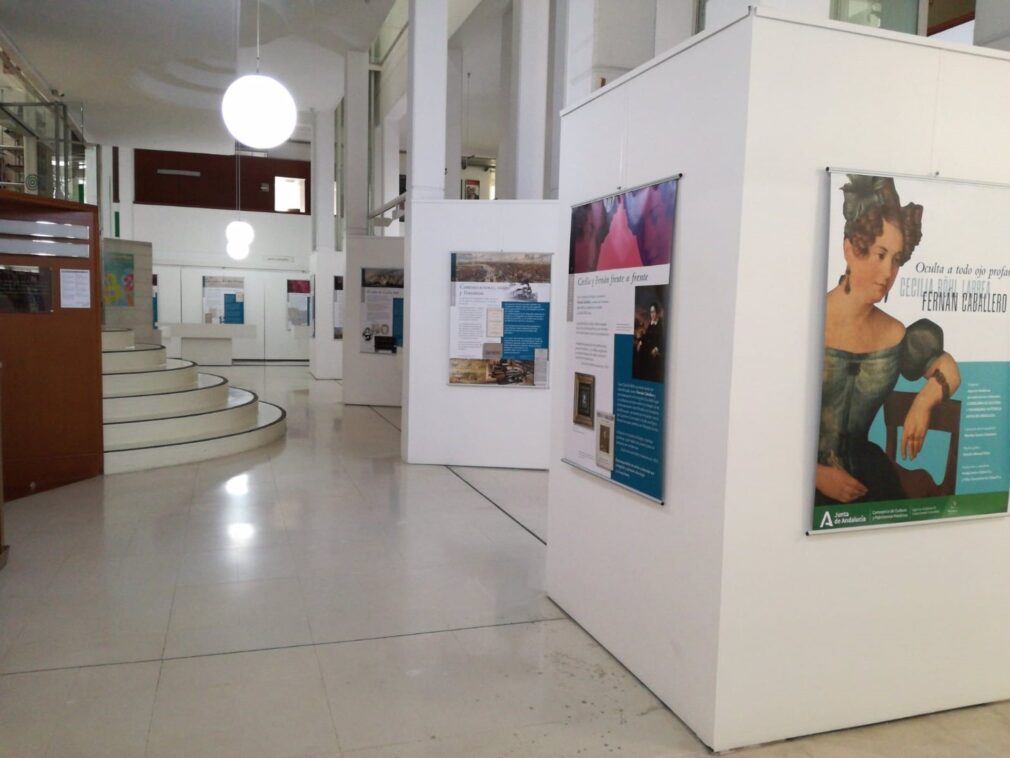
(869, 202)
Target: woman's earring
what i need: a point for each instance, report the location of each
(848, 287)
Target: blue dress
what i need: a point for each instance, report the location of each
(853, 388)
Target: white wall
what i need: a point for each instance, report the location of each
(829, 632)
(195, 236)
(180, 300)
(472, 426)
(644, 579)
(369, 378)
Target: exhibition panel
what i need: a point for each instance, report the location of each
(887, 623)
(791, 410)
(128, 288)
(373, 321)
(510, 426)
(644, 579)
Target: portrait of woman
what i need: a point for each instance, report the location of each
(865, 350)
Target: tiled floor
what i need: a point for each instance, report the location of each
(320, 598)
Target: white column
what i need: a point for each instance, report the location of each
(530, 44)
(505, 174)
(92, 174)
(126, 193)
(674, 24)
(356, 142)
(325, 353)
(579, 50)
(427, 68)
(992, 24)
(324, 228)
(555, 96)
(106, 211)
(391, 163)
(453, 123)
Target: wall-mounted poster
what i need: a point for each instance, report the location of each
(381, 310)
(118, 289)
(299, 297)
(223, 300)
(27, 289)
(471, 189)
(619, 265)
(338, 307)
(499, 319)
(916, 364)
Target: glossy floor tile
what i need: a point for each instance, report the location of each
(318, 597)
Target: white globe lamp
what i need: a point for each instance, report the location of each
(237, 251)
(240, 232)
(259, 111)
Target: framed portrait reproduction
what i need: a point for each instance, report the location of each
(585, 399)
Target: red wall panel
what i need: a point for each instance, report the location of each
(215, 185)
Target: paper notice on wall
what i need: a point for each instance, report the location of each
(75, 288)
(499, 318)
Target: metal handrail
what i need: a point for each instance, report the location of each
(397, 203)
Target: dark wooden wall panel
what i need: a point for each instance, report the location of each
(52, 368)
(215, 186)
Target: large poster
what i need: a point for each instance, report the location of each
(338, 307)
(916, 363)
(381, 310)
(118, 289)
(619, 269)
(223, 300)
(299, 297)
(499, 319)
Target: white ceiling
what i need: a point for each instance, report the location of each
(151, 72)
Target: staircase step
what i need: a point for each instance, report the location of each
(211, 392)
(238, 413)
(270, 424)
(137, 358)
(176, 374)
(116, 339)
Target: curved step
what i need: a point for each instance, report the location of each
(210, 392)
(116, 339)
(176, 374)
(271, 424)
(239, 412)
(137, 358)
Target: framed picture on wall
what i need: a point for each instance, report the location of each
(470, 189)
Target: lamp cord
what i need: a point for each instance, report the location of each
(257, 36)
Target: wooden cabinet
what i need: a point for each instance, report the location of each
(4, 550)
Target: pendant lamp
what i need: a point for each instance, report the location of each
(239, 234)
(257, 109)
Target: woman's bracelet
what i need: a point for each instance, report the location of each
(942, 381)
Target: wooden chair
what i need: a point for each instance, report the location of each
(946, 417)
